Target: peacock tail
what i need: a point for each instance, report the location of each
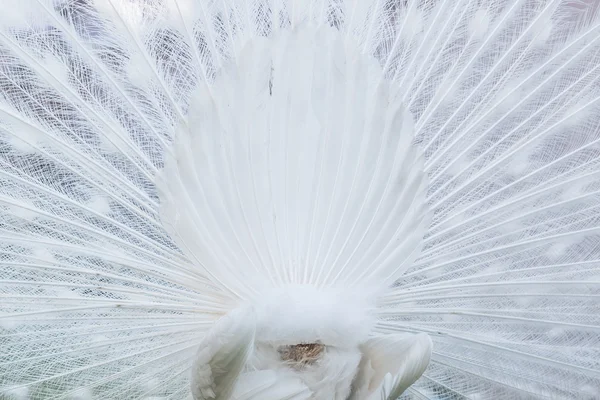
(161, 161)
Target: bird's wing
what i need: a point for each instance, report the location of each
(269, 385)
(222, 356)
(390, 364)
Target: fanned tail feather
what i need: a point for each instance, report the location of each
(314, 181)
(157, 159)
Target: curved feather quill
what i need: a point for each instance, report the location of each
(222, 356)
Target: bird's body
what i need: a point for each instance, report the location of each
(289, 199)
(313, 84)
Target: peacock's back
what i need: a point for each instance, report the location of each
(162, 159)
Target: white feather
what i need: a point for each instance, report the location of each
(269, 385)
(222, 356)
(163, 163)
(390, 364)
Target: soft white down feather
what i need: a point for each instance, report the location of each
(299, 199)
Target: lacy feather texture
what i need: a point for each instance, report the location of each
(299, 199)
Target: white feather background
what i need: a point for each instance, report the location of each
(112, 272)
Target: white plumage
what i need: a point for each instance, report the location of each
(286, 199)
